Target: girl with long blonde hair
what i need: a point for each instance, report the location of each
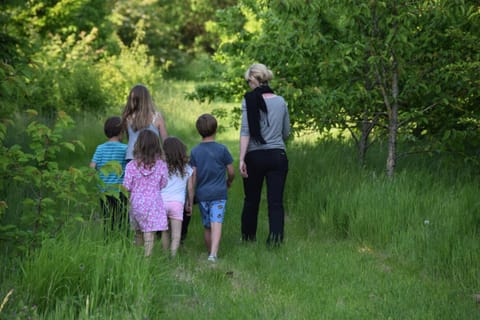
(139, 114)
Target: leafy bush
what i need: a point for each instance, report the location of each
(72, 76)
(65, 76)
(13, 88)
(37, 195)
(121, 72)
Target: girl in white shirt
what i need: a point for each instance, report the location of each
(178, 194)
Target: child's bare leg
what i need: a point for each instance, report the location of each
(216, 234)
(138, 238)
(176, 230)
(208, 239)
(148, 238)
(166, 239)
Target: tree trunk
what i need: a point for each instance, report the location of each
(392, 141)
(393, 124)
(366, 128)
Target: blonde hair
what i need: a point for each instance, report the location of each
(260, 72)
(139, 110)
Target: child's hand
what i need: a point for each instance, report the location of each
(92, 172)
(188, 209)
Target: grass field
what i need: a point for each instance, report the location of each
(358, 246)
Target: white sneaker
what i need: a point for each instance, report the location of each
(212, 258)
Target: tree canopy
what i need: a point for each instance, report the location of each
(84, 55)
(392, 70)
(381, 70)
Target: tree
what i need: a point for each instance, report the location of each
(173, 29)
(380, 69)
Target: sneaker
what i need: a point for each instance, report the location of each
(212, 258)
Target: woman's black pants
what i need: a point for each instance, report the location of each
(272, 166)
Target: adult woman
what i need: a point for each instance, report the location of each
(265, 127)
(139, 114)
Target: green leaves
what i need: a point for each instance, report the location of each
(51, 195)
(350, 65)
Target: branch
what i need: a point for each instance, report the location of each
(352, 133)
(409, 153)
(381, 81)
(424, 110)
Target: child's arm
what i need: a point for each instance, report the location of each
(230, 175)
(92, 165)
(194, 181)
(160, 124)
(190, 194)
(163, 174)
(95, 158)
(127, 179)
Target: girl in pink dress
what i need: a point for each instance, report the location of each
(145, 176)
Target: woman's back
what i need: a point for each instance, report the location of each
(274, 125)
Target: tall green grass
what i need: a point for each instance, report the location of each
(426, 220)
(358, 245)
(79, 275)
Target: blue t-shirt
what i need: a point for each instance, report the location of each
(106, 152)
(210, 159)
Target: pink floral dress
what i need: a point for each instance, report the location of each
(147, 212)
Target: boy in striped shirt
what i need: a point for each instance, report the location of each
(113, 201)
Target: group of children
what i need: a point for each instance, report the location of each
(161, 180)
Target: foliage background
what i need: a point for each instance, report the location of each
(65, 65)
(345, 64)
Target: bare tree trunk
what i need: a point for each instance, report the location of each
(393, 124)
(366, 129)
(363, 143)
(389, 91)
(392, 112)
(392, 141)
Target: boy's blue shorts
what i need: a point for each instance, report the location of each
(212, 211)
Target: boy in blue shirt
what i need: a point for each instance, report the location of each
(213, 174)
(113, 202)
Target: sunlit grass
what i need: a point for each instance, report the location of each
(358, 246)
(79, 273)
(181, 114)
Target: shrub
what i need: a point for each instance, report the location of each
(37, 195)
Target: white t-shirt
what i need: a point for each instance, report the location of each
(176, 188)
